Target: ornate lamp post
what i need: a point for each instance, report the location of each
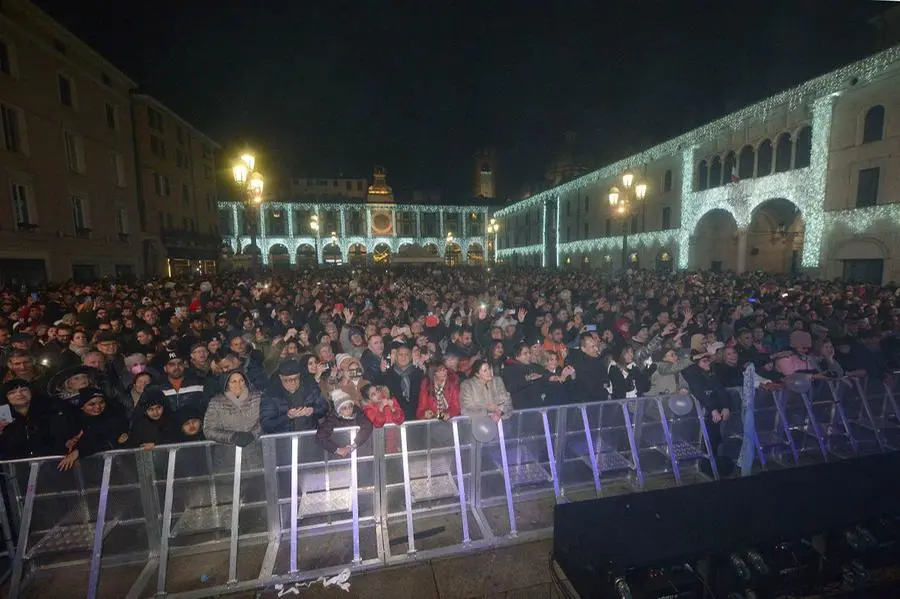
(623, 201)
(492, 229)
(251, 185)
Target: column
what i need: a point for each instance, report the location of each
(462, 224)
(418, 224)
(263, 245)
(742, 251)
(342, 231)
(237, 231)
(441, 223)
(318, 234)
(394, 220)
(368, 222)
(291, 232)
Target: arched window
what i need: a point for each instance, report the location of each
(730, 166)
(745, 163)
(804, 148)
(715, 172)
(764, 159)
(702, 175)
(783, 153)
(873, 126)
(667, 181)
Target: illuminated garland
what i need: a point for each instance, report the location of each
(662, 239)
(526, 250)
(343, 206)
(863, 72)
(370, 243)
(544, 234)
(860, 220)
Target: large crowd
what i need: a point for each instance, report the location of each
(88, 368)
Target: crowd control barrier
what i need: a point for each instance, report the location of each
(280, 510)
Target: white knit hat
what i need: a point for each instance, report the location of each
(341, 358)
(340, 399)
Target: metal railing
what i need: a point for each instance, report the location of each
(421, 490)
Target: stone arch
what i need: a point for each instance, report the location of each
(730, 166)
(250, 249)
(356, 254)
(746, 160)
(775, 236)
(306, 254)
(432, 249)
(452, 254)
(860, 259)
(381, 254)
(714, 242)
(475, 254)
(783, 150)
(860, 247)
(332, 254)
(764, 155)
(702, 175)
(873, 124)
(715, 172)
(279, 256)
(803, 147)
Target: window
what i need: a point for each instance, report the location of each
(59, 46)
(667, 180)
(5, 58)
(783, 149)
(349, 185)
(764, 159)
(122, 221)
(803, 150)
(185, 194)
(112, 118)
(715, 172)
(10, 126)
(179, 134)
(154, 119)
(666, 218)
(181, 159)
(66, 92)
(23, 206)
(702, 175)
(169, 221)
(161, 185)
(867, 187)
(587, 200)
(207, 151)
(608, 227)
(359, 186)
(74, 152)
(568, 208)
(873, 126)
(587, 230)
(335, 183)
(568, 233)
(745, 162)
(157, 146)
(79, 214)
(118, 163)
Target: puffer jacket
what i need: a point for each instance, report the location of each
(667, 378)
(225, 417)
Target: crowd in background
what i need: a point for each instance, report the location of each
(87, 368)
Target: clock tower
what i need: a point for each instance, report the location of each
(484, 184)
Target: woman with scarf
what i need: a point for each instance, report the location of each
(80, 343)
(102, 425)
(232, 416)
(438, 394)
(404, 380)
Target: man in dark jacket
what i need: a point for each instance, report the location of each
(404, 379)
(288, 405)
(712, 395)
(372, 360)
(180, 388)
(523, 381)
(39, 426)
(591, 377)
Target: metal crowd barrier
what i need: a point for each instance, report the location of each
(281, 510)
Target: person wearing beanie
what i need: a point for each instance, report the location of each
(151, 425)
(292, 402)
(233, 415)
(343, 412)
(39, 425)
(187, 425)
(102, 425)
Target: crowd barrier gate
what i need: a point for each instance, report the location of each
(413, 492)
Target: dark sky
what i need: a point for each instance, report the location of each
(327, 87)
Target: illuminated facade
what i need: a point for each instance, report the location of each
(806, 179)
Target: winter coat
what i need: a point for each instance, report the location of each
(380, 415)
(428, 401)
(394, 382)
(729, 376)
(666, 380)
(144, 430)
(704, 386)
(225, 417)
(191, 393)
(591, 377)
(325, 432)
(631, 382)
(276, 402)
(371, 364)
(44, 430)
(475, 397)
(101, 433)
(524, 393)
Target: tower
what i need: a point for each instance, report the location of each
(379, 190)
(484, 183)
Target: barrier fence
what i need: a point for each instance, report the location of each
(281, 510)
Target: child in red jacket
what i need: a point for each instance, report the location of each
(380, 408)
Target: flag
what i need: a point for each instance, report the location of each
(734, 175)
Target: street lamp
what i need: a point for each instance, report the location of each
(622, 201)
(334, 242)
(314, 225)
(251, 184)
(493, 228)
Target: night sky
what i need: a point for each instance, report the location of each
(332, 87)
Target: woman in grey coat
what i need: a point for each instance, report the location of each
(667, 380)
(233, 415)
(485, 393)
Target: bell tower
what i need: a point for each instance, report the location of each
(484, 182)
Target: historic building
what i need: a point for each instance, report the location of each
(68, 204)
(294, 232)
(177, 203)
(808, 179)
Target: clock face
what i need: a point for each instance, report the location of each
(381, 223)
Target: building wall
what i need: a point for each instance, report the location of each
(41, 51)
(344, 188)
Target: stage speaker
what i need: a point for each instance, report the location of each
(599, 541)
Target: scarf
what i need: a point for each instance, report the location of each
(404, 380)
(439, 397)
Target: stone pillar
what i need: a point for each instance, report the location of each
(394, 221)
(741, 251)
(462, 224)
(368, 222)
(290, 218)
(342, 227)
(441, 223)
(418, 224)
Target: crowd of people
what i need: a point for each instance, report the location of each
(88, 368)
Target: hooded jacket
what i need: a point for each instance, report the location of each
(276, 402)
(101, 432)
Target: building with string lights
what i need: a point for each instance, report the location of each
(806, 180)
(333, 221)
